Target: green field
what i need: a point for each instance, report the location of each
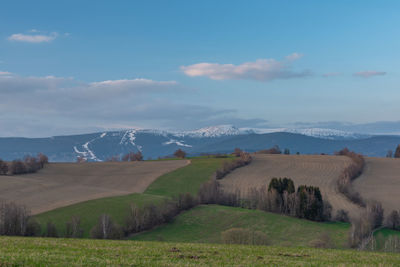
(186, 179)
(17, 251)
(205, 223)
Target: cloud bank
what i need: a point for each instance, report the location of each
(43, 106)
(260, 70)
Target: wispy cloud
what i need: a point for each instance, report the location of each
(260, 70)
(369, 73)
(5, 73)
(33, 38)
(331, 74)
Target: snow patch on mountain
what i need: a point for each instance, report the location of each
(129, 138)
(176, 142)
(212, 131)
(323, 133)
(87, 153)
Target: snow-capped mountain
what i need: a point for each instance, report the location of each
(323, 133)
(155, 143)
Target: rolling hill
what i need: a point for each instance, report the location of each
(62, 184)
(315, 170)
(380, 181)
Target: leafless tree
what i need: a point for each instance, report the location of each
(80, 159)
(180, 154)
(73, 227)
(13, 219)
(393, 220)
(3, 167)
(106, 229)
(397, 152)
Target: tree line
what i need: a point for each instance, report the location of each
(351, 172)
(28, 165)
(243, 159)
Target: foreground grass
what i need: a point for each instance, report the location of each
(205, 223)
(186, 179)
(84, 252)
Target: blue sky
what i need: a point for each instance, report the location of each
(80, 66)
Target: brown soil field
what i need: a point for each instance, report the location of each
(316, 170)
(62, 184)
(381, 181)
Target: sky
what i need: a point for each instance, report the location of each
(69, 67)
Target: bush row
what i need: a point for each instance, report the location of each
(28, 165)
(350, 173)
(243, 160)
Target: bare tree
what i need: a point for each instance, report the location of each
(80, 159)
(106, 229)
(180, 154)
(393, 220)
(17, 167)
(397, 153)
(13, 219)
(73, 227)
(3, 167)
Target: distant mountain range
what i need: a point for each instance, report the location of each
(215, 139)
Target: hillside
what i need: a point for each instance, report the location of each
(204, 224)
(62, 184)
(16, 251)
(316, 170)
(219, 139)
(186, 179)
(381, 181)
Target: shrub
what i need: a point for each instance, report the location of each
(13, 219)
(244, 236)
(17, 167)
(349, 174)
(106, 229)
(245, 159)
(273, 150)
(397, 153)
(393, 220)
(392, 244)
(342, 216)
(33, 227)
(180, 154)
(51, 230)
(3, 167)
(374, 213)
(73, 227)
(132, 156)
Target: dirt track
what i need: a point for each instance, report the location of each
(62, 184)
(381, 181)
(321, 171)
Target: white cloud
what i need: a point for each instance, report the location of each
(33, 38)
(145, 85)
(369, 73)
(260, 70)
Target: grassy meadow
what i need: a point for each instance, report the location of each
(205, 224)
(17, 251)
